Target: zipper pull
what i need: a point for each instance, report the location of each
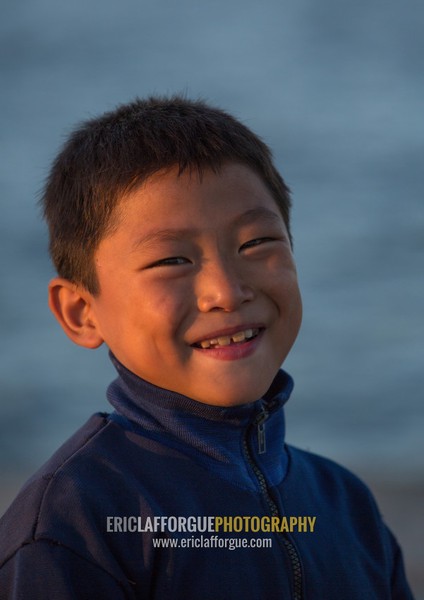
(261, 431)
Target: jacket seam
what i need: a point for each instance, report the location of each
(50, 477)
(57, 543)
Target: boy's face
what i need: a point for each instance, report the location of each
(198, 287)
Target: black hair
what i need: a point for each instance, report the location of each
(106, 157)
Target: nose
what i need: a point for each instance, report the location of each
(221, 286)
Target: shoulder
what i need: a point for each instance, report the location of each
(323, 470)
(58, 482)
(59, 518)
(330, 484)
(348, 522)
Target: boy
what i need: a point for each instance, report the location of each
(170, 231)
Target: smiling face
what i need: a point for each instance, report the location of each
(198, 288)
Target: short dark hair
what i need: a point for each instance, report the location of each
(108, 156)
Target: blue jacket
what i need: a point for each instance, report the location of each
(68, 535)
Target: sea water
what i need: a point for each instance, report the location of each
(336, 89)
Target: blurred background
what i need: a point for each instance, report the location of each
(336, 88)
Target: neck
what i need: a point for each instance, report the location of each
(211, 435)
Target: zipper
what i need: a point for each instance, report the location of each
(260, 425)
(259, 422)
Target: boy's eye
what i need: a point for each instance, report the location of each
(257, 242)
(170, 261)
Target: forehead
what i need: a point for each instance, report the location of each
(168, 197)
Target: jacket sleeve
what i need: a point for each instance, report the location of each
(399, 585)
(43, 570)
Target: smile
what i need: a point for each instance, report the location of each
(228, 340)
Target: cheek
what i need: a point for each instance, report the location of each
(166, 307)
(282, 284)
(278, 273)
(284, 292)
(296, 309)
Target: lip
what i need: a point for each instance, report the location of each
(228, 331)
(233, 351)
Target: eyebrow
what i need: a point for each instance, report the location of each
(169, 234)
(258, 214)
(163, 235)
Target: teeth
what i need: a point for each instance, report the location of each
(239, 337)
(225, 340)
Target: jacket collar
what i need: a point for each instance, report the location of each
(214, 436)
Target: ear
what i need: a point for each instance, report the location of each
(71, 305)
